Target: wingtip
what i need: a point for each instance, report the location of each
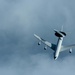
(34, 34)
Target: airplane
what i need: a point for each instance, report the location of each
(57, 48)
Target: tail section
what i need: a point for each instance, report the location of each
(62, 28)
(60, 33)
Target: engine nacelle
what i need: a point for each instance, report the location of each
(45, 48)
(70, 51)
(39, 43)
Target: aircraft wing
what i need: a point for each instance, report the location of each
(67, 47)
(52, 46)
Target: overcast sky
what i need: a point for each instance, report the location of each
(19, 52)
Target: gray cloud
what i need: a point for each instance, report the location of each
(39, 64)
(19, 20)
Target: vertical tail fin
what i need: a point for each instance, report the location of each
(62, 28)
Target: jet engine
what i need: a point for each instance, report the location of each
(45, 48)
(70, 51)
(39, 43)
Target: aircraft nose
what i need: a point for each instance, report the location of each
(55, 57)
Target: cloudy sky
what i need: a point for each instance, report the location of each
(19, 52)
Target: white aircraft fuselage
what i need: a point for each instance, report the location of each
(58, 47)
(60, 36)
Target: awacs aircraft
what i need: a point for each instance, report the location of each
(58, 47)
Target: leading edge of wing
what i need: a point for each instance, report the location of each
(52, 46)
(67, 47)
